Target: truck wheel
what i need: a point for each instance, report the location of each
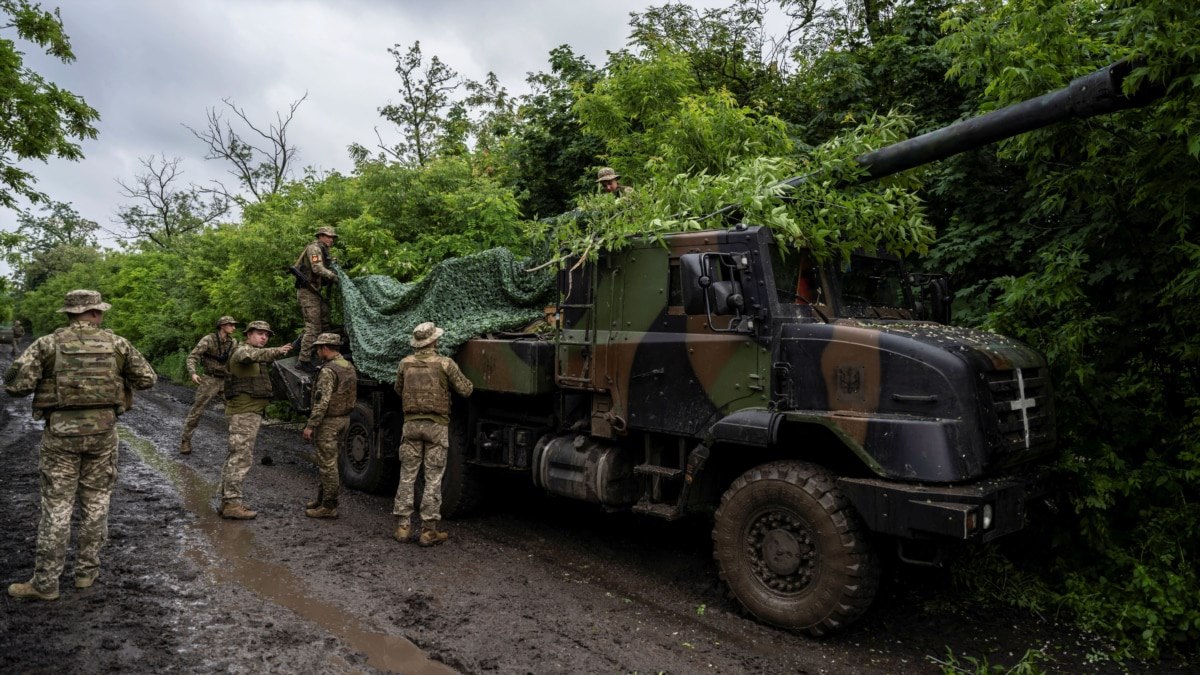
(358, 462)
(461, 488)
(793, 550)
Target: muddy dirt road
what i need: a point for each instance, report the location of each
(529, 584)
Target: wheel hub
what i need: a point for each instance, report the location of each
(781, 552)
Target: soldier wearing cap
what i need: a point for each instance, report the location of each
(333, 397)
(423, 381)
(247, 392)
(213, 351)
(609, 181)
(81, 377)
(314, 264)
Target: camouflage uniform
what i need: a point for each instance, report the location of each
(333, 397)
(608, 174)
(213, 350)
(314, 263)
(81, 377)
(247, 392)
(18, 332)
(423, 381)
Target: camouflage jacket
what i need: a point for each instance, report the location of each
(453, 379)
(314, 262)
(334, 393)
(34, 371)
(246, 372)
(213, 352)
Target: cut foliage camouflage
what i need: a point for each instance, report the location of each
(468, 297)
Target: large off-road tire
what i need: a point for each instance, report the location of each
(793, 550)
(461, 488)
(359, 463)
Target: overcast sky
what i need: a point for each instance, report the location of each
(151, 66)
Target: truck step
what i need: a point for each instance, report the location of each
(664, 511)
(661, 471)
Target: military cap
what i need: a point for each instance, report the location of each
(259, 325)
(226, 319)
(331, 339)
(327, 231)
(82, 300)
(606, 173)
(425, 334)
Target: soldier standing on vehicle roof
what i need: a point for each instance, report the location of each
(333, 397)
(247, 392)
(81, 377)
(424, 380)
(313, 264)
(610, 182)
(213, 351)
(18, 332)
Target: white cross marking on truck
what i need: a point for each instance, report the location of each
(1023, 404)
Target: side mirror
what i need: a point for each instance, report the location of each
(726, 297)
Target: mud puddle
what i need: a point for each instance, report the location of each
(234, 557)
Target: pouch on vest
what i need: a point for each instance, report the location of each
(85, 374)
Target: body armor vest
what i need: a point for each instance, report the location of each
(345, 392)
(426, 390)
(214, 364)
(86, 372)
(248, 378)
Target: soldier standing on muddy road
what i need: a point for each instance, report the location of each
(81, 377)
(423, 381)
(333, 397)
(213, 351)
(247, 392)
(314, 275)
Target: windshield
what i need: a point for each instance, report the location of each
(873, 288)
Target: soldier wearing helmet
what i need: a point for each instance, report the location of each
(247, 392)
(315, 275)
(213, 352)
(610, 181)
(334, 395)
(81, 377)
(423, 381)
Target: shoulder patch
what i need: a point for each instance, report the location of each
(316, 257)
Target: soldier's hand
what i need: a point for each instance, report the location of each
(308, 433)
(195, 379)
(287, 348)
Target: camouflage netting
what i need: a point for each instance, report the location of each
(467, 297)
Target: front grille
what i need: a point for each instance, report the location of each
(1022, 405)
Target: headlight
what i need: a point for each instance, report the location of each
(987, 516)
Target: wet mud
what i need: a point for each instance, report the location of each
(527, 584)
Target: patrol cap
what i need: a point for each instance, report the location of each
(259, 325)
(82, 300)
(226, 319)
(327, 231)
(331, 339)
(606, 173)
(425, 334)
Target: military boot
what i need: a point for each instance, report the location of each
(84, 582)
(27, 591)
(316, 502)
(403, 529)
(234, 511)
(325, 510)
(185, 446)
(430, 536)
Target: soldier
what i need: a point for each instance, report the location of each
(247, 393)
(313, 265)
(213, 351)
(18, 332)
(609, 181)
(81, 377)
(333, 397)
(423, 381)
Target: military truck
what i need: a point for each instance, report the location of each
(817, 411)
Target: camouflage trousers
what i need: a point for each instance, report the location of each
(16, 349)
(316, 320)
(243, 432)
(74, 465)
(209, 387)
(425, 442)
(327, 436)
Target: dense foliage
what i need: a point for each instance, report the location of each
(1078, 239)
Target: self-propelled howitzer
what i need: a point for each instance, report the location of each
(814, 411)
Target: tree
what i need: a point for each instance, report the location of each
(162, 212)
(38, 120)
(261, 165)
(46, 245)
(425, 92)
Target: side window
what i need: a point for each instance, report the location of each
(675, 286)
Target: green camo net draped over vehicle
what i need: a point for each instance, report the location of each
(467, 297)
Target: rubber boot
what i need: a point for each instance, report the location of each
(430, 536)
(403, 530)
(326, 510)
(28, 592)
